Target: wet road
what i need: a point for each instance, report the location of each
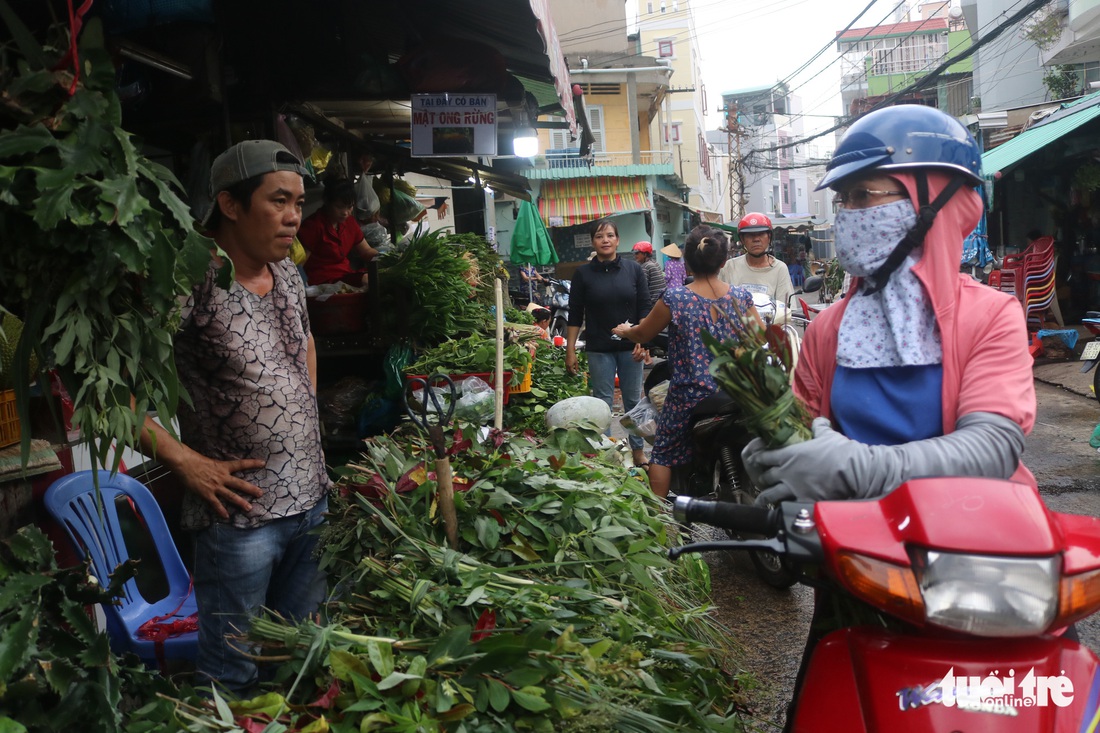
(771, 625)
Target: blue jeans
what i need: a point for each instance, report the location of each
(602, 366)
(238, 571)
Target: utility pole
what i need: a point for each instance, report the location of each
(737, 163)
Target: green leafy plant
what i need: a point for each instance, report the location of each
(97, 247)
(1044, 28)
(1062, 82)
(57, 672)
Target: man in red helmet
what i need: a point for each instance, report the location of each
(655, 276)
(757, 270)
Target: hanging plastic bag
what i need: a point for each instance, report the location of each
(641, 420)
(398, 357)
(477, 403)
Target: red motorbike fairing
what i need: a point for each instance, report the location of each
(965, 515)
(865, 680)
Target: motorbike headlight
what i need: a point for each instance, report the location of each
(988, 596)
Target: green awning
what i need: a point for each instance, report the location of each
(1029, 141)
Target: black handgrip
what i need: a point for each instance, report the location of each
(727, 515)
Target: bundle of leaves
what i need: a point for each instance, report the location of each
(473, 354)
(427, 293)
(97, 246)
(515, 315)
(57, 673)
(754, 368)
(559, 612)
(551, 383)
(488, 264)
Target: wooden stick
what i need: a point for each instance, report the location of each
(498, 414)
(445, 481)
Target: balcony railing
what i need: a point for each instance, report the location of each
(571, 158)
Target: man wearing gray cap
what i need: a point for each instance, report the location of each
(249, 452)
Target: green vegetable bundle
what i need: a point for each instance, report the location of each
(425, 291)
(472, 354)
(754, 368)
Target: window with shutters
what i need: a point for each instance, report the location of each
(559, 137)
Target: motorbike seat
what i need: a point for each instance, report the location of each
(718, 403)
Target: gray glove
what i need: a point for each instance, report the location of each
(831, 466)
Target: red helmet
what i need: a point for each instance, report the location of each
(645, 247)
(754, 222)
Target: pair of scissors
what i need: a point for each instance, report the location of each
(431, 413)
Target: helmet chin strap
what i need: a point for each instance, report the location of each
(926, 214)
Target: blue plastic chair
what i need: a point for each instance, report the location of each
(797, 276)
(73, 502)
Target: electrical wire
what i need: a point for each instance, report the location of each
(927, 79)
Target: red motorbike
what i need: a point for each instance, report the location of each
(968, 587)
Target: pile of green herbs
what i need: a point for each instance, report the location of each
(560, 610)
(473, 354)
(97, 245)
(515, 315)
(551, 383)
(426, 291)
(57, 673)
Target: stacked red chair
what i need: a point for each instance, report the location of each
(1030, 276)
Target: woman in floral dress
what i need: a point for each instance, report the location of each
(703, 304)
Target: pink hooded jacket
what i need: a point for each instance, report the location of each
(986, 364)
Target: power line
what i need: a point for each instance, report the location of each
(929, 78)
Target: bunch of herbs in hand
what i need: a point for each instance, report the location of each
(755, 369)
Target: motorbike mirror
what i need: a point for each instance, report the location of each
(813, 284)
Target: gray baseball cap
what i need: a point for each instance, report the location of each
(245, 160)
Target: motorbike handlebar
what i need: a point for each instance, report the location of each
(727, 515)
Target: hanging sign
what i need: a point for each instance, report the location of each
(454, 125)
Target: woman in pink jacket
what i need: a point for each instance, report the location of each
(920, 370)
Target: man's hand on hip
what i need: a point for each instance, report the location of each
(215, 483)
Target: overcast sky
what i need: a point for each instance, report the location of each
(751, 43)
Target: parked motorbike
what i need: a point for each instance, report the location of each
(973, 581)
(559, 306)
(1091, 355)
(718, 437)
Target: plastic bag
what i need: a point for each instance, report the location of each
(641, 420)
(397, 358)
(442, 399)
(339, 404)
(657, 395)
(478, 401)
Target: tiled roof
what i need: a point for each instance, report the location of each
(895, 29)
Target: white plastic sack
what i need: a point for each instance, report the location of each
(641, 420)
(478, 401)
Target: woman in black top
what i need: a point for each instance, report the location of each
(605, 292)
